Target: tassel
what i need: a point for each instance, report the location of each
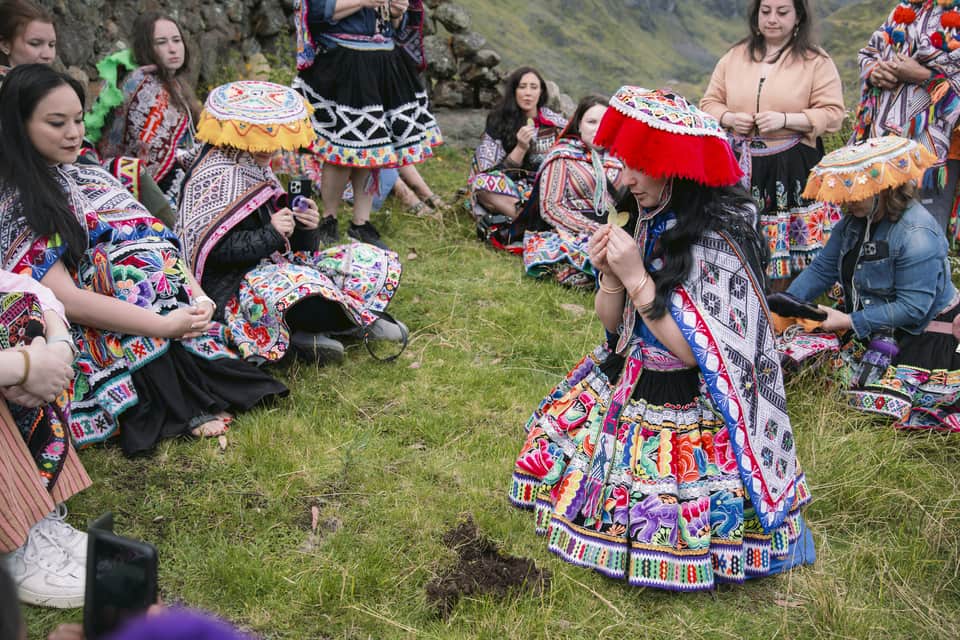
(904, 15)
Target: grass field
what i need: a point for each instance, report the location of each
(387, 458)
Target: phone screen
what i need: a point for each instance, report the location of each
(123, 573)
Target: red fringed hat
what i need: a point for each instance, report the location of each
(659, 133)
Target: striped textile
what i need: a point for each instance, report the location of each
(23, 499)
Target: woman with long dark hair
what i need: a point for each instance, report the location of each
(573, 195)
(519, 132)
(151, 363)
(665, 457)
(776, 92)
(155, 122)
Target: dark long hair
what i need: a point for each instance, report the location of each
(44, 204)
(801, 45)
(15, 15)
(506, 118)
(585, 104)
(699, 209)
(143, 52)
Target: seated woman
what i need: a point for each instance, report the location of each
(39, 469)
(151, 362)
(890, 256)
(518, 134)
(154, 123)
(574, 192)
(258, 258)
(644, 463)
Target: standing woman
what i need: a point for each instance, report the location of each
(519, 132)
(358, 62)
(666, 458)
(777, 92)
(151, 364)
(155, 123)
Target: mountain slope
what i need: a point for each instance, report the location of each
(597, 45)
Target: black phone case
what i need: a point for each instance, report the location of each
(101, 531)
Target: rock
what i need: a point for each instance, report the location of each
(553, 92)
(212, 48)
(566, 105)
(449, 93)
(269, 20)
(465, 45)
(259, 67)
(440, 62)
(80, 76)
(453, 17)
(236, 11)
(433, 4)
(480, 77)
(487, 97)
(487, 58)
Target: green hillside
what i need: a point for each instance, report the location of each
(597, 45)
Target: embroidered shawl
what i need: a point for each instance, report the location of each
(722, 313)
(224, 186)
(925, 112)
(107, 210)
(568, 184)
(148, 125)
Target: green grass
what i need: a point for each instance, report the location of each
(394, 455)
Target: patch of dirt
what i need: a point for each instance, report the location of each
(481, 568)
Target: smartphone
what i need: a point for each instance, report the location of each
(121, 580)
(299, 186)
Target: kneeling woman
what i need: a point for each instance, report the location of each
(632, 468)
(890, 255)
(151, 362)
(256, 256)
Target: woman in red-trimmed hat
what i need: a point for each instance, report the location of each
(666, 457)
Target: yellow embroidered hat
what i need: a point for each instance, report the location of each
(859, 171)
(253, 115)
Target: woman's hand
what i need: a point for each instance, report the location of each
(837, 321)
(186, 322)
(739, 122)
(398, 8)
(282, 221)
(907, 69)
(597, 250)
(883, 76)
(768, 121)
(51, 371)
(624, 257)
(309, 218)
(525, 136)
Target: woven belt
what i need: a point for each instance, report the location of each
(936, 326)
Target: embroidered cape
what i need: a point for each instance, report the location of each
(148, 125)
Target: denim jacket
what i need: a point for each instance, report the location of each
(904, 289)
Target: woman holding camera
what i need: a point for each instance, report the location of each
(257, 253)
(890, 256)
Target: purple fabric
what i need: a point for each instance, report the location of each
(179, 624)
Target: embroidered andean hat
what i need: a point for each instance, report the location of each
(254, 115)
(661, 134)
(861, 170)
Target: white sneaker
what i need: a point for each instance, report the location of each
(74, 542)
(45, 575)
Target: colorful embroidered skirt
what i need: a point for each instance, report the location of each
(658, 500)
(42, 428)
(359, 279)
(796, 229)
(152, 387)
(559, 255)
(370, 108)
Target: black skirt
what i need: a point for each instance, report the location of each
(370, 108)
(930, 350)
(179, 386)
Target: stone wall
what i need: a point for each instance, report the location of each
(227, 36)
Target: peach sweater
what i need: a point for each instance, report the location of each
(809, 86)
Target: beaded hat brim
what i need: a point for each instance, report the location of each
(860, 171)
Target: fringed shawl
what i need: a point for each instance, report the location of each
(224, 186)
(925, 112)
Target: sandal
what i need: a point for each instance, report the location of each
(417, 209)
(436, 202)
